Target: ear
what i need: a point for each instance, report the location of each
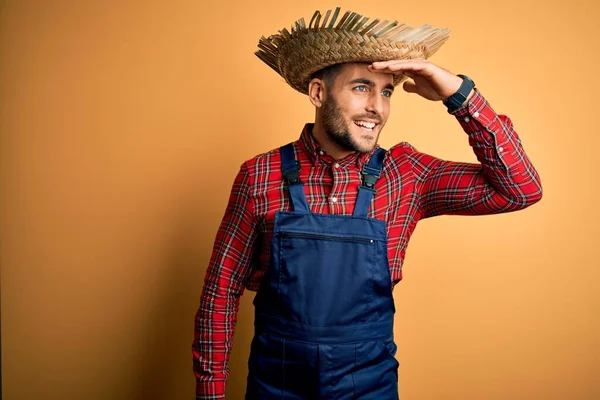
(316, 92)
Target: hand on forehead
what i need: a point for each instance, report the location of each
(364, 70)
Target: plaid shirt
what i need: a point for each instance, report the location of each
(413, 186)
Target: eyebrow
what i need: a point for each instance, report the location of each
(371, 83)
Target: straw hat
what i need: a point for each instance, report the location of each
(296, 56)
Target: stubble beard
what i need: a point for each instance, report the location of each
(337, 130)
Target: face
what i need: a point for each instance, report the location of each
(356, 107)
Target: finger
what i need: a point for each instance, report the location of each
(409, 87)
(408, 60)
(409, 70)
(415, 67)
(396, 68)
(397, 63)
(382, 71)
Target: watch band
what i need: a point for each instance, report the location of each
(457, 99)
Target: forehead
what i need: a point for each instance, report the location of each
(351, 71)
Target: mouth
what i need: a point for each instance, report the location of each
(366, 125)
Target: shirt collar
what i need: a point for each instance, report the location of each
(318, 155)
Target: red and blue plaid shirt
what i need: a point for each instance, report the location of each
(413, 186)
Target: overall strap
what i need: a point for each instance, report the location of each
(370, 174)
(291, 173)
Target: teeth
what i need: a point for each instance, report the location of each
(368, 125)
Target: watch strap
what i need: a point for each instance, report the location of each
(457, 99)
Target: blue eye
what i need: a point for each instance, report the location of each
(387, 93)
(361, 87)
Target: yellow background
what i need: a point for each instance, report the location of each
(124, 123)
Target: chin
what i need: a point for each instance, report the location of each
(365, 145)
(365, 142)
(367, 149)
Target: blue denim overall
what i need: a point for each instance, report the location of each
(324, 311)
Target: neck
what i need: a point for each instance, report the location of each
(331, 147)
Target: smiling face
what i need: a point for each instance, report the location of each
(354, 106)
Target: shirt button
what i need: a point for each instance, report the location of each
(321, 152)
(334, 199)
(336, 165)
(500, 149)
(467, 119)
(476, 114)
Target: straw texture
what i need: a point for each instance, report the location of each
(330, 39)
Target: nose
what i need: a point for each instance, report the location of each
(375, 103)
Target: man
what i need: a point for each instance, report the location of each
(319, 227)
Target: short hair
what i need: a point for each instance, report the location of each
(328, 74)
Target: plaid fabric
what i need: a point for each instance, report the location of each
(413, 186)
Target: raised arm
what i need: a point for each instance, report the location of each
(505, 180)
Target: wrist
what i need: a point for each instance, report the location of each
(462, 96)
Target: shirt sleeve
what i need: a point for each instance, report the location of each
(505, 180)
(229, 266)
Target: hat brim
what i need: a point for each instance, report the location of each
(296, 56)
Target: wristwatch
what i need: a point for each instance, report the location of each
(457, 99)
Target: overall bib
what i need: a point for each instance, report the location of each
(324, 311)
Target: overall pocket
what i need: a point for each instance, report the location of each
(325, 279)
